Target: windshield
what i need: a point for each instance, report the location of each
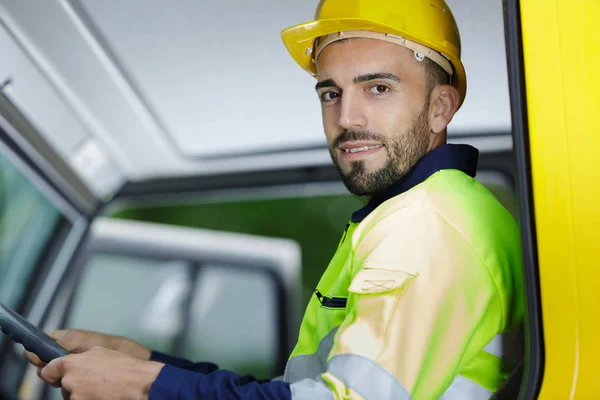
(27, 221)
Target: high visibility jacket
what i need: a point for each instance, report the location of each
(423, 297)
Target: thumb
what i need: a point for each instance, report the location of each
(59, 334)
(71, 339)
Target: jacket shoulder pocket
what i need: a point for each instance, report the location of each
(373, 280)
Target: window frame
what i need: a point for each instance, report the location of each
(51, 263)
(534, 338)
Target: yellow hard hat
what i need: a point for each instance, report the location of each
(421, 25)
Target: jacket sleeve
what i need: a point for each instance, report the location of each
(202, 367)
(180, 384)
(422, 304)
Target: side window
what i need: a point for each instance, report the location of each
(182, 308)
(139, 298)
(225, 299)
(27, 221)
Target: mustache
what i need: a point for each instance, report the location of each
(350, 136)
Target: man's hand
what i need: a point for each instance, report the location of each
(101, 374)
(78, 341)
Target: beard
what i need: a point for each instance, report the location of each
(403, 153)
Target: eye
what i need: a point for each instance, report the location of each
(380, 89)
(328, 96)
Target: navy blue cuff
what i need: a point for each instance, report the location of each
(168, 383)
(202, 367)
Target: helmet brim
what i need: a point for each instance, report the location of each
(299, 40)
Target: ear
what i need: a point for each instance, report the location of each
(442, 107)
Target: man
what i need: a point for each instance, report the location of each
(426, 281)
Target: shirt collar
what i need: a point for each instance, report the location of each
(460, 157)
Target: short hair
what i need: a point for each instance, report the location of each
(434, 75)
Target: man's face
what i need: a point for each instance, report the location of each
(375, 111)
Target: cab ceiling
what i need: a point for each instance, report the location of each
(140, 89)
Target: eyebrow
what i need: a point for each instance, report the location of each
(374, 76)
(325, 83)
(359, 79)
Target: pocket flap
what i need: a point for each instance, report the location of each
(372, 280)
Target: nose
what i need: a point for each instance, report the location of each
(352, 113)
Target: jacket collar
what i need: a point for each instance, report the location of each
(460, 157)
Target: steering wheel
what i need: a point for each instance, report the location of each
(30, 336)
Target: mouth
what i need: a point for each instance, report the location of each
(361, 149)
(357, 151)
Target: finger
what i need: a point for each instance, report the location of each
(70, 339)
(39, 374)
(59, 334)
(54, 371)
(33, 359)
